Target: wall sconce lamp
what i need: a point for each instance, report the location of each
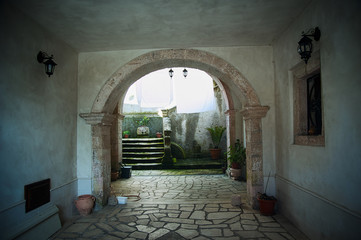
(48, 62)
(171, 72)
(305, 44)
(185, 73)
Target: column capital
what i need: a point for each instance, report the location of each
(119, 116)
(230, 112)
(165, 112)
(104, 119)
(254, 112)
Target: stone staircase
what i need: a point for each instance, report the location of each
(143, 153)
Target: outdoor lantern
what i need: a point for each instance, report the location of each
(171, 73)
(48, 62)
(305, 44)
(185, 73)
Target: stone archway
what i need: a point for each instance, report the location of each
(101, 118)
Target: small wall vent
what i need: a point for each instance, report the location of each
(36, 194)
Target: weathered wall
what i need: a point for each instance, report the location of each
(130, 123)
(189, 129)
(37, 117)
(318, 187)
(95, 68)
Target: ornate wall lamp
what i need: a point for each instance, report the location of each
(48, 62)
(305, 44)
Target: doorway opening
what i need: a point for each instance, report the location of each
(193, 104)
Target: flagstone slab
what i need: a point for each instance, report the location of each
(211, 232)
(199, 215)
(222, 215)
(177, 220)
(187, 233)
(138, 235)
(157, 234)
(172, 226)
(125, 228)
(250, 234)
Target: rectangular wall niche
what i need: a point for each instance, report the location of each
(36, 194)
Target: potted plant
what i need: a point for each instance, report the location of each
(143, 129)
(216, 135)
(158, 134)
(266, 203)
(236, 156)
(126, 134)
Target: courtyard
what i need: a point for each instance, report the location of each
(176, 205)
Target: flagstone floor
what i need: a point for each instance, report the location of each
(179, 207)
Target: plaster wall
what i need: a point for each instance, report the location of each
(95, 68)
(317, 187)
(37, 118)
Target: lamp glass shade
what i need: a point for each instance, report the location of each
(171, 73)
(185, 72)
(49, 67)
(305, 48)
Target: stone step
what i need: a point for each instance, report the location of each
(144, 166)
(135, 144)
(126, 140)
(142, 153)
(142, 148)
(134, 160)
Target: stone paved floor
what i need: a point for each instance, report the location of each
(179, 207)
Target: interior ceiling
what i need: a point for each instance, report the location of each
(94, 25)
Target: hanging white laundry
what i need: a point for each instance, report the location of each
(194, 93)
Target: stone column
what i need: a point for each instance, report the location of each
(254, 151)
(101, 158)
(120, 118)
(231, 127)
(167, 130)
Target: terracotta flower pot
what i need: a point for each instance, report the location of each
(85, 204)
(114, 176)
(215, 153)
(236, 173)
(266, 206)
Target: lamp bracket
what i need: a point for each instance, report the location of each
(313, 32)
(43, 56)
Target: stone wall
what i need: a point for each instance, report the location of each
(189, 129)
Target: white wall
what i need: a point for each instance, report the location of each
(319, 187)
(37, 117)
(255, 63)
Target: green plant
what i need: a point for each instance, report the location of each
(236, 154)
(144, 121)
(216, 134)
(126, 133)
